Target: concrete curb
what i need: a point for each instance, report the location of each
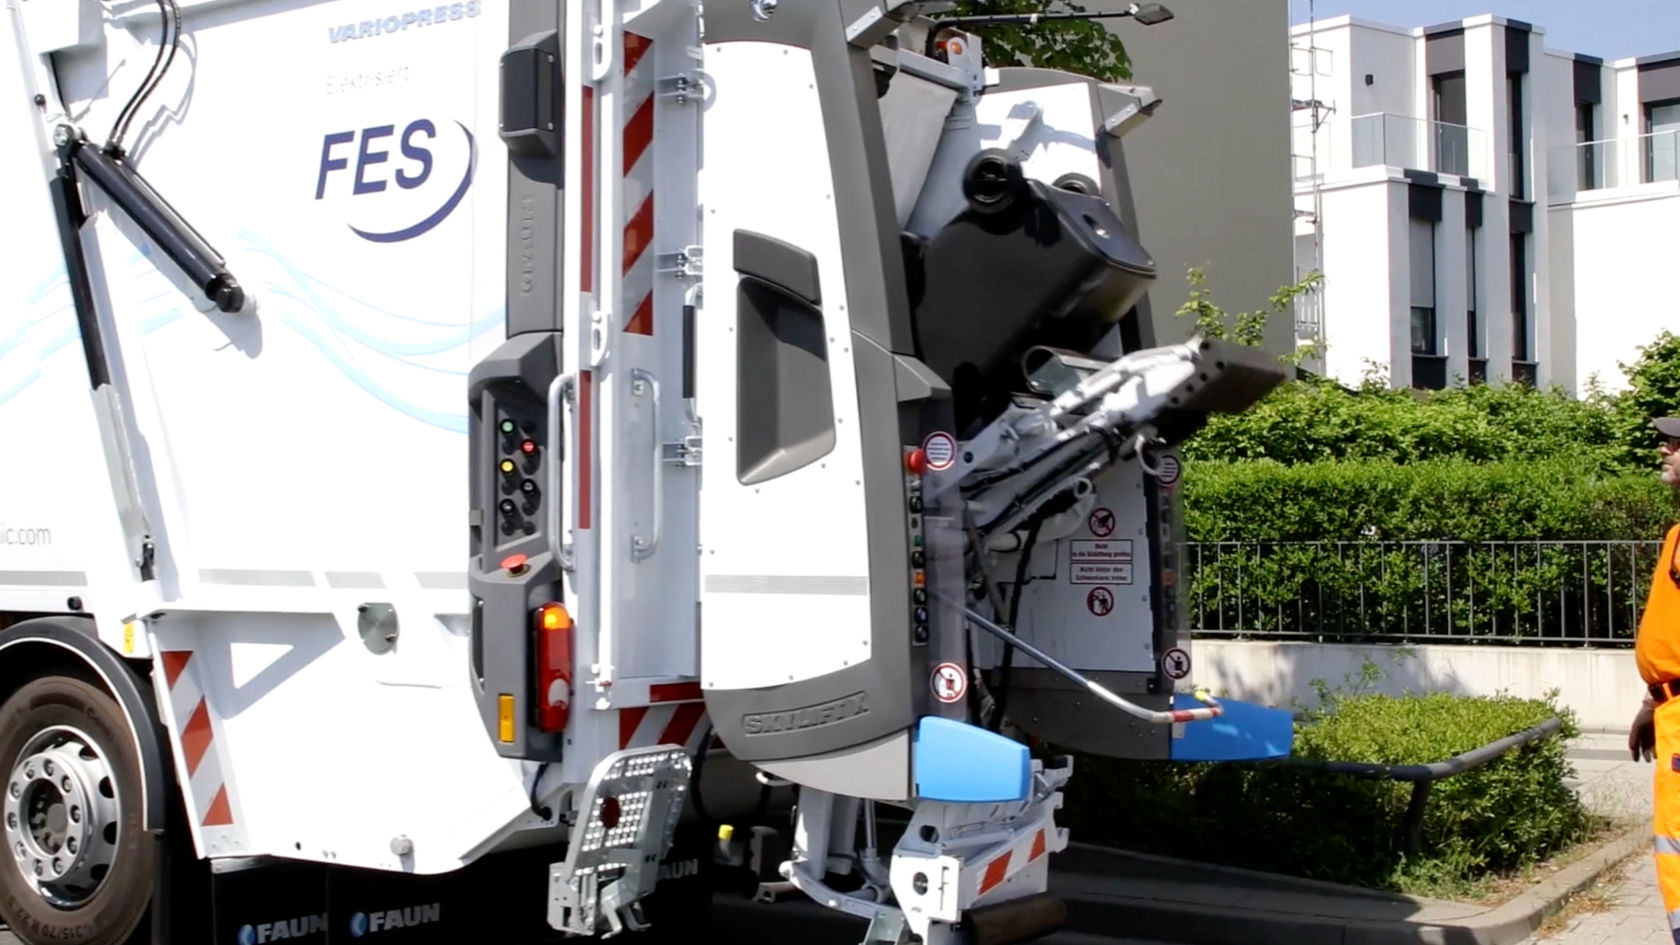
(1200, 923)
(1519, 918)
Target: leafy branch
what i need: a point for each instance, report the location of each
(1083, 47)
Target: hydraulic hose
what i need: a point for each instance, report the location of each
(1153, 717)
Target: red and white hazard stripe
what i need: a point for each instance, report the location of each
(1025, 851)
(640, 86)
(208, 788)
(663, 723)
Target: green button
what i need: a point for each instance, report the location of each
(507, 426)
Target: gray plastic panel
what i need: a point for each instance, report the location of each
(535, 180)
(779, 263)
(512, 383)
(784, 401)
(892, 688)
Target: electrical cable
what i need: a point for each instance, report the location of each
(168, 44)
(1008, 660)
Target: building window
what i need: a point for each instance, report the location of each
(1473, 330)
(1451, 137)
(1520, 350)
(1514, 159)
(1662, 127)
(1585, 153)
(1423, 287)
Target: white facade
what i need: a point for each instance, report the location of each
(1439, 189)
(1613, 196)
(1414, 203)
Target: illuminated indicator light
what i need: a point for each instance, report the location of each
(507, 467)
(726, 832)
(504, 707)
(921, 579)
(528, 447)
(553, 617)
(917, 461)
(507, 426)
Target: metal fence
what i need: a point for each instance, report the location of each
(1539, 593)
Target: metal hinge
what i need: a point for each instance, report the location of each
(684, 87)
(685, 452)
(684, 264)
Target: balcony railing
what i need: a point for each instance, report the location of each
(1613, 162)
(1384, 139)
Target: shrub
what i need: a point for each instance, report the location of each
(1506, 815)
(1304, 556)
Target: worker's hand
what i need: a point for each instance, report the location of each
(1642, 736)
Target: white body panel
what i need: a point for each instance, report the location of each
(818, 508)
(309, 452)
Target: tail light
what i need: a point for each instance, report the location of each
(554, 667)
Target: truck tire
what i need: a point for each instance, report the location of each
(77, 868)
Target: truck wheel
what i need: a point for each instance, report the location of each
(77, 868)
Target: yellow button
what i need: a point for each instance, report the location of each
(725, 832)
(507, 466)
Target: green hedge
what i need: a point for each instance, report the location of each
(1364, 549)
(1545, 499)
(1315, 420)
(1496, 819)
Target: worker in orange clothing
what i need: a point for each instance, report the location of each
(1655, 734)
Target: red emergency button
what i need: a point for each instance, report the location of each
(514, 564)
(917, 461)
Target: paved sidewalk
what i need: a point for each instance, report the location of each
(1630, 911)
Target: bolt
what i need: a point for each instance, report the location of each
(764, 9)
(402, 846)
(40, 101)
(75, 815)
(48, 769)
(11, 821)
(39, 868)
(70, 844)
(58, 866)
(66, 784)
(17, 790)
(29, 772)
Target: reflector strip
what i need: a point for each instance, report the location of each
(208, 799)
(637, 265)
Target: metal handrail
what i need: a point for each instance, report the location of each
(1422, 776)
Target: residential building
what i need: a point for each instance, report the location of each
(1478, 203)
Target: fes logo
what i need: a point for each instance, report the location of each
(400, 182)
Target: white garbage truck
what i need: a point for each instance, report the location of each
(526, 468)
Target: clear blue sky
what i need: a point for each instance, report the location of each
(1613, 29)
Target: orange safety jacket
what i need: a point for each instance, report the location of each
(1657, 648)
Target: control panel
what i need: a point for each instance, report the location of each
(518, 476)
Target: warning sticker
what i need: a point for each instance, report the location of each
(1092, 561)
(941, 451)
(1100, 602)
(1101, 522)
(949, 683)
(1169, 470)
(1175, 663)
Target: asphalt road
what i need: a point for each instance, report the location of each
(7, 938)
